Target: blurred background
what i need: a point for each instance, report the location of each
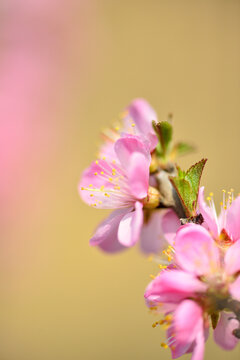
(67, 69)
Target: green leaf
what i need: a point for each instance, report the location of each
(187, 186)
(164, 132)
(182, 148)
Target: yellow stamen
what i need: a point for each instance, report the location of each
(162, 266)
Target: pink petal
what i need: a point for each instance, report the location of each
(234, 289)
(177, 349)
(152, 238)
(173, 286)
(198, 352)
(106, 234)
(130, 226)
(95, 178)
(127, 145)
(138, 175)
(196, 252)
(107, 150)
(232, 219)
(232, 263)
(188, 321)
(223, 333)
(207, 214)
(170, 225)
(142, 115)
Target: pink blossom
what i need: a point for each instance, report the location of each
(202, 283)
(136, 120)
(224, 228)
(122, 183)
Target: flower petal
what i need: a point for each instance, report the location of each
(196, 252)
(142, 115)
(177, 349)
(198, 352)
(232, 219)
(152, 238)
(127, 145)
(234, 289)
(173, 286)
(223, 333)
(208, 214)
(99, 189)
(130, 226)
(232, 263)
(188, 321)
(170, 225)
(138, 175)
(106, 234)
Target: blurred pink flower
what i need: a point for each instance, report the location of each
(41, 43)
(199, 284)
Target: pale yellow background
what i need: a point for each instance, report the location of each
(61, 299)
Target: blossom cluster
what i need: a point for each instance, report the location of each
(162, 207)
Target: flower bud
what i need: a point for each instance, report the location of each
(152, 199)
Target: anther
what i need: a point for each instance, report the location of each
(162, 267)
